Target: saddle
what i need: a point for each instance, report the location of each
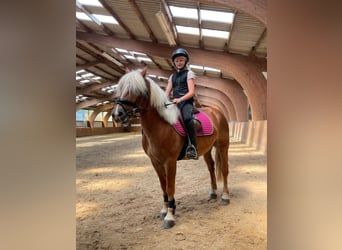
(203, 126)
(202, 122)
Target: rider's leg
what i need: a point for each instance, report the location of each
(191, 151)
(187, 113)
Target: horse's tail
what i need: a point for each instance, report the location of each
(218, 163)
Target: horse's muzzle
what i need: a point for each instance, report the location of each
(119, 115)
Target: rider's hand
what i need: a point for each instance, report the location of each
(177, 100)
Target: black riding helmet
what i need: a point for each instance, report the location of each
(180, 52)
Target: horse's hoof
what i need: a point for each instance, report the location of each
(225, 201)
(213, 196)
(168, 224)
(162, 215)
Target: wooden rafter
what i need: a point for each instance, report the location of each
(98, 68)
(143, 20)
(253, 50)
(103, 70)
(117, 18)
(200, 42)
(92, 17)
(87, 64)
(93, 87)
(171, 21)
(99, 56)
(84, 26)
(106, 61)
(230, 33)
(157, 64)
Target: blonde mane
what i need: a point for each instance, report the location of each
(133, 83)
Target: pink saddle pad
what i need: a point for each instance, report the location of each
(206, 128)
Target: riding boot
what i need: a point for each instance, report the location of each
(191, 151)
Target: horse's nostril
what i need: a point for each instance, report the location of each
(118, 115)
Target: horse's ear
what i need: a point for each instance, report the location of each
(143, 72)
(127, 69)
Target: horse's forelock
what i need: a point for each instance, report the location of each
(132, 83)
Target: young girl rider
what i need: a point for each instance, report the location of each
(182, 83)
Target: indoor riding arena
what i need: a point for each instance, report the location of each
(119, 197)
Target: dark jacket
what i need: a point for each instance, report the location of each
(180, 84)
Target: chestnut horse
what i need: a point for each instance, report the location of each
(141, 96)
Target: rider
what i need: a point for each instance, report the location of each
(182, 82)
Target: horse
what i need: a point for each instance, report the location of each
(138, 95)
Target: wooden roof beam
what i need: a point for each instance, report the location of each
(106, 61)
(94, 54)
(226, 46)
(117, 18)
(82, 24)
(143, 20)
(92, 17)
(93, 87)
(88, 64)
(171, 21)
(253, 50)
(255, 8)
(200, 41)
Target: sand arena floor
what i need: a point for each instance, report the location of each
(119, 199)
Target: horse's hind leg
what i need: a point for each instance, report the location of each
(211, 167)
(222, 168)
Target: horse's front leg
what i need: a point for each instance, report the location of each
(163, 211)
(169, 220)
(162, 175)
(160, 170)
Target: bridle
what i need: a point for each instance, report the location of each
(135, 109)
(134, 112)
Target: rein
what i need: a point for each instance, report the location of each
(167, 104)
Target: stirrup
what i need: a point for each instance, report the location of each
(191, 152)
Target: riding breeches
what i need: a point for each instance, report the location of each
(186, 109)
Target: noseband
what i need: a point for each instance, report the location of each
(133, 112)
